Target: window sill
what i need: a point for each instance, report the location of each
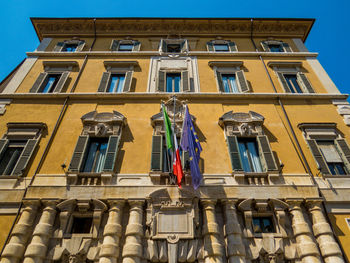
(10, 177)
(337, 176)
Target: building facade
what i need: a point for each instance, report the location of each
(83, 160)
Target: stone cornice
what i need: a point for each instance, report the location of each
(240, 27)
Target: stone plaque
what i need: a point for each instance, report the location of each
(173, 222)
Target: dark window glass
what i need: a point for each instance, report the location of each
(249, 153)
(50, 83)
(173, 48)
(263, 225)
(125, 47)
(173, 82)
(81, 225)
(96, 155)
(10, 157)
(332, 156)
(293, 83)
(276, 48)
(221, 47)
(70, 47)
(116, 83)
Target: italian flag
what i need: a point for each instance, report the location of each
(177, 167)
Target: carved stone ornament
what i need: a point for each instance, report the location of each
(242, 124)
(157, 120)
(103, 124)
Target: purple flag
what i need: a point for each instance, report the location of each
(190, 143)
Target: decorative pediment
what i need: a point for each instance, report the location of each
(241, 123)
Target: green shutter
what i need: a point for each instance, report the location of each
(163, 46)
(114, 45)
(79, 153)
(80, 46)
(210, 46)
(283, 82)
(62, 81)
(161, 81)
(344, 151)
(323, 167)
(184, 80)
(265, 46)
(191, 85)
(286, 47)
(266, 153)
(234, 153)
(25, 157)
(128, 80)
(232, 46)
(112, 152)
(3, 146)
(58, 47)
(241, 81)
(157, 153)
(104, 82)
(220, 82)
(302, 79)
(38, 83)
(137, 46)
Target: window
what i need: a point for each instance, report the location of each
(96, 155)
(229, 83)
(263, 224)
(10, 156)
(292, 83)
(116, 83)
(125, 45)
(173, 48)
(295, 82)
(275, 46)
(332, 157)
(221, 46)
(69, 47)
(74, 45)
(249, 153)
(173, 82)
(81, 225)
(50, 83)
(173, 45)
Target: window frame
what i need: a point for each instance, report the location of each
(185, 81)
(60, 46)
(163, 45)
(115, 44)
(285, 47)
(264, 215)
(232, 47)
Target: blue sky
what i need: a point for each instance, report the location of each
(329, 35)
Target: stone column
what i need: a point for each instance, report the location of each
(36, 250)
(132, 250)
(15, 248)
(330, 250)
(233, 233)
(306, 247)
(109, 252)
(213, 250)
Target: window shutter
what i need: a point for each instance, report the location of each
(232, 46)
(234, 153)
(344, 151)
(210, 46)
(266, 153)
(241, 81)
(191, 84)
(62, 81)
(286, 47)
(112, 152)
(58, 47)
(104, 82)
(305, 83)
(157, 153)
(3, 146)
(161, 81)
(78, 154)
(183, 46)
(185, 81)
(114, 45)
(265, 46)
(220, 83)
(80, 46)
(25, 157)
(39, 81)
(185, 160)
(127, 83)
(163, 46)
(283, 82)
(323, 167)
(137, 46)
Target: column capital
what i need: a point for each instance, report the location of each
(229, 201)
(294, 202)
(116, 203)
(136, 202)
(31, 203)
(207, 202)
(50, 203)
(313, 203)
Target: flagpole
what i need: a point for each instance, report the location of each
(174, 108)
(166, 142)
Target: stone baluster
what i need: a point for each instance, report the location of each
(233, 233)
(306, 247)
(132, 250)
(213, 250)
(111, 236)
(15, 248)
(330, 250)
(36, 250)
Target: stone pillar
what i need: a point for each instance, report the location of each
(306, 247)
(36, 250)
(213, 250)
(15, 248)
(132, 250)
(330, 250)
(109, 252)
(233, 233)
